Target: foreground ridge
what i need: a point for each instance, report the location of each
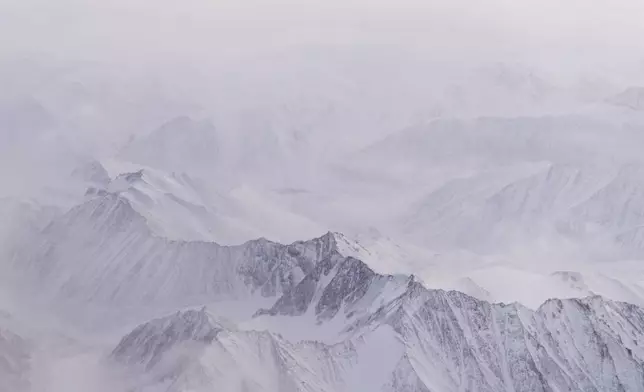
(390, 332)
(424, 340)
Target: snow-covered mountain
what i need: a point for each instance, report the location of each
(423, 340)
(194, 353)
(154, 230)
(182, 206)
(457, 343)
(302, 317)
(176, 206)
(103, 250)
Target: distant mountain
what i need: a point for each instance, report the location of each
(471, 182)
(181, 206)
(631, 98)
(181, 144)
(482, 142)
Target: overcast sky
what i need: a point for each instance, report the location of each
(131, 28)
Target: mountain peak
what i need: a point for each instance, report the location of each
(338, 286)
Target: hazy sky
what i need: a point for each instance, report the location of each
(89, 28)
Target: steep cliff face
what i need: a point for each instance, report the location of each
(339, 288)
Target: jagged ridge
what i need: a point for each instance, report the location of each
(103, 250)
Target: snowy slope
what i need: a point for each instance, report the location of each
(382, 253)
(175, 206)
(191, 352)
(455, 342)
(182, 206)
(508, 282)
(103, 250)
(424, 340)
(535, 195)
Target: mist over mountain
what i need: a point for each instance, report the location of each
(435, 196)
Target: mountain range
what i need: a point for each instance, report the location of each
(303, 317)
(347, 233)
